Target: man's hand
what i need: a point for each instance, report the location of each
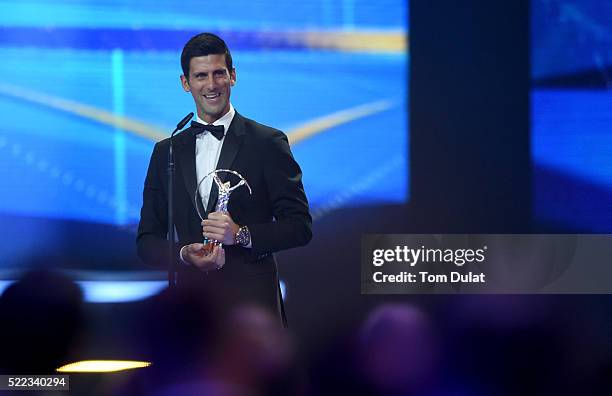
(220, 227)
(194, 254)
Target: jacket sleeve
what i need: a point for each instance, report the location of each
(292, 225)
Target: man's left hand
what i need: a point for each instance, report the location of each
(220, 227)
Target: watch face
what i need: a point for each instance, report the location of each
(243, 236)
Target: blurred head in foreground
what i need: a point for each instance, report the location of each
(397, 350)
(42, 315)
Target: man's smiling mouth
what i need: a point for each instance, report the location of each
(212, 96)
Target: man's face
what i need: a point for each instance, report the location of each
(210, 84)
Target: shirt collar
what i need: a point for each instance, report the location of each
(226, 120)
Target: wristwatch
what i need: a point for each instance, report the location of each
(242, 237)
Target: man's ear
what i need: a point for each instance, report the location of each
(233, 77)
(184, 83)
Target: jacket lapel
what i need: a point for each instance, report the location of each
(231, 145)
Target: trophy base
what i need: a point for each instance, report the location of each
(209, 246)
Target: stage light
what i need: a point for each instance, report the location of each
(102, 366)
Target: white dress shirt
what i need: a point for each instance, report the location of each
(207, 151)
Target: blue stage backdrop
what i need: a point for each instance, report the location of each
(572, 114)
(87, 88)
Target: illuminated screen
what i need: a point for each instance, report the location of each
(88, 87)
(571, 107)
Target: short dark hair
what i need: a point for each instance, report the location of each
(201, 45)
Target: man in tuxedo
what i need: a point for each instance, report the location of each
(274, 217)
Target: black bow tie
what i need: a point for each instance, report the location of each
(216, 130)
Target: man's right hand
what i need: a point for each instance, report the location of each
(194, 254)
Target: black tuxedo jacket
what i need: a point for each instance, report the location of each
(276, 213)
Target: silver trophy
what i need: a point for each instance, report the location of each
(225, 190)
